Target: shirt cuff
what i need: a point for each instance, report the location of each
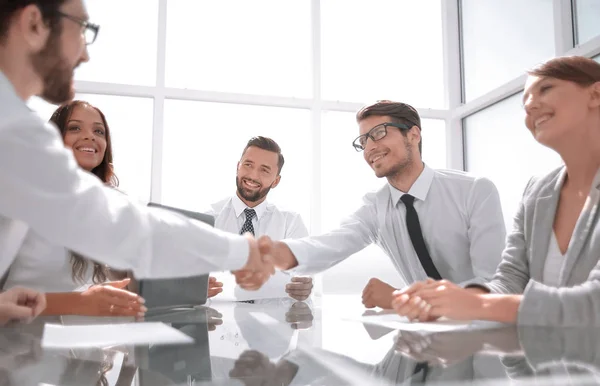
(239, 251)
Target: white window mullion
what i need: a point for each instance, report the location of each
(159, 105)
(563, 27)
(453, 83)
(316, 217)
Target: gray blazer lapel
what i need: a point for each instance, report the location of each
(543, 222)
(581, 233)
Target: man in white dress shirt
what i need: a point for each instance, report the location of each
(431, 223)
(41, 43)
(259, 171)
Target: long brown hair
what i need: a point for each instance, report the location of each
(104, 171)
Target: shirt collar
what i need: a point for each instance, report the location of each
(419, 188)
(7, 88)
(4, 82)
(8, 93)
(239, 206)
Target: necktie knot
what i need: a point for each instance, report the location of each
(408, 200)
(250, 213)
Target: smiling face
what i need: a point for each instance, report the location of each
(86, 135)
(555, 109)
(391, 154)
(257, 174)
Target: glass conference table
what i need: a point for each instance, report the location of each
(283, 342)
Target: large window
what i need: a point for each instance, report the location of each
(587, 17)
(500, 147)
(253, 47)
(345, 179)
(503, 38)
(125, 51)
(383, 49)
(204, 141)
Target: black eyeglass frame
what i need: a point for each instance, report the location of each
(95, 28)
(356, 143)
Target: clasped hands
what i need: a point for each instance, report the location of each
(427, 300)
(260, 265)
(431, 299)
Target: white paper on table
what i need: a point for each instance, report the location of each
(102, 335)
(397, 322)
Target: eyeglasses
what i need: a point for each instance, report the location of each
(376, 133)
(90, 30)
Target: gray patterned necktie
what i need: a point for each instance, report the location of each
(248, 227)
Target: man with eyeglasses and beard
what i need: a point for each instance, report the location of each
(259, 171)
(44, 191)
(438, 224)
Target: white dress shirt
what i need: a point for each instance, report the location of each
(461, 220)
(554, 263)
(43, 188)
(269, 220)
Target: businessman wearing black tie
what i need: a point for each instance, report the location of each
(431, 223)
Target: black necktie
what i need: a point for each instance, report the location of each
(416, 237)
(248, 227)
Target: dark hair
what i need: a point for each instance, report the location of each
(266, 144)
(399, 112)
(104, 172)
(577, 69)
(48, 8)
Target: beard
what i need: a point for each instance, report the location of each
(249, 195)
(55, 73)
(402, 165)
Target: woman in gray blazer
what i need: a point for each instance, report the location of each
(550, 273)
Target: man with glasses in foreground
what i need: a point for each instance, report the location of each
(44, 191)
(431, 223)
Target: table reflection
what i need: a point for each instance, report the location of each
(279, 344)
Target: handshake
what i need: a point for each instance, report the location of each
(264, 256)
